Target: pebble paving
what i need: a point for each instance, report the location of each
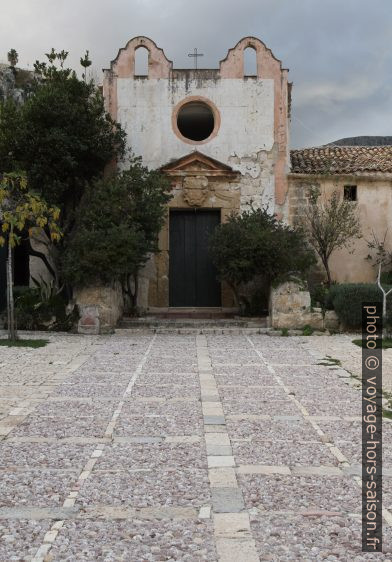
(144, 447)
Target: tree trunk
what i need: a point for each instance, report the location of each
(236, 295)
(132, 294)
(327, 270)
(135, 292)
(12, 335)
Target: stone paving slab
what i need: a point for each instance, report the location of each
(180, 447)
(341, 348)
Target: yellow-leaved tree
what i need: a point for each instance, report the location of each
(21, 211)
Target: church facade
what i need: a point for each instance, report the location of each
(221, 136)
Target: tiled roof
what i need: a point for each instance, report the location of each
(342, 160)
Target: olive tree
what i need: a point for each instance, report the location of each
(330, 224)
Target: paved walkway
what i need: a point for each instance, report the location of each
(181, 448)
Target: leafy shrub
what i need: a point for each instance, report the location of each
(43, 308)
(321, 296)
(117, 227)
(347, 301)
(255, 243)
(307, 330)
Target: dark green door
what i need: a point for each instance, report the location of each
(192, 276)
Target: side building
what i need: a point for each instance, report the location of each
(362, 174)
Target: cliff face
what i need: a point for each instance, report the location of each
(15, 83)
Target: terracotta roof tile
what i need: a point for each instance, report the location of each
(342, 160)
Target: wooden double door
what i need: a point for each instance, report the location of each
(192, 275)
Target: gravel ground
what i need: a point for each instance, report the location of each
(104, 541)
(151, 455)
(283, 453)
(287, 537)
(19, 539)
(121, 448)
(301, 493)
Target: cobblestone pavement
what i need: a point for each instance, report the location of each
(139, 447)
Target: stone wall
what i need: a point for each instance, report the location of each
(100, 309)
(290, 308)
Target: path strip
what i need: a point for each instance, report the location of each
(232, 532)
(70, 501)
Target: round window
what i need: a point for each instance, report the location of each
(195, 121)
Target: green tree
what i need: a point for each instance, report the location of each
(62, 136)
(116, 229)
(21, 210)
(255, 243)
(330, 224)
(85, 63)
(12, 57)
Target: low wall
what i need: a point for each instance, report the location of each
(290, 308)
(100, 309)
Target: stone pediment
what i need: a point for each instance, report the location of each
(197, 163)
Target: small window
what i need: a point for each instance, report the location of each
(195, 121)
(250, 62)
(141, 62)
(350, 192)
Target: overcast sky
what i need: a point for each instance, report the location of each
(339, 52)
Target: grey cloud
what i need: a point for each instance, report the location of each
(338, 53)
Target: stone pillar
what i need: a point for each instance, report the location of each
(100, 308)
(290, 307)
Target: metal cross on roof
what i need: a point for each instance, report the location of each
(195, 54)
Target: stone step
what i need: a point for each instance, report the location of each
(194, 323)
(234, 331)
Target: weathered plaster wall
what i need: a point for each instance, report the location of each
(250, 136)
(245, 139)
(374, 195)
(253, 114)
(145, 110)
